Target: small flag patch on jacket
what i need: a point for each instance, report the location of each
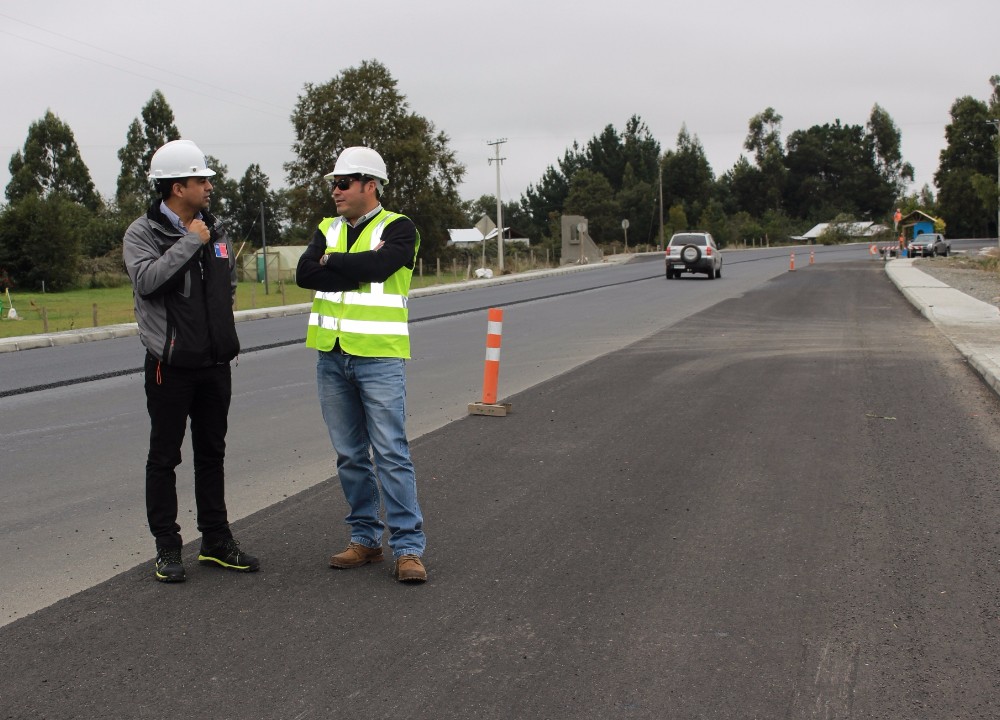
(221, 250)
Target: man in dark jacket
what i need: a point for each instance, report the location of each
(183, 273)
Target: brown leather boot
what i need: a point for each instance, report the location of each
(356, 555)
(409, 568)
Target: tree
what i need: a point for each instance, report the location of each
(676, 222)
(833, 169)
(543, 202)
(744, 186)
(473, 210)
(142, 140)
(41, 238)
(764, 141)
(629, 161)
(638, 203)
(254, 192)
(969, 152)
(591, 196)
(362, 106)
(225, 191)
(49, 164)
(713, 220)
(888, 157)
(687, 175)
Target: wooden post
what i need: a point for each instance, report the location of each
(95, 314)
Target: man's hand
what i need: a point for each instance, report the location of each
(200, 229)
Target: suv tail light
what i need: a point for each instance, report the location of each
(708, 250)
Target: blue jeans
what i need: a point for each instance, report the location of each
(364, 406)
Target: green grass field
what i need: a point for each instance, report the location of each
(75, 309)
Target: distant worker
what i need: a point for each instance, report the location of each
(361, 263)
(183, 274)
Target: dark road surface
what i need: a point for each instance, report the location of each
(730, 519)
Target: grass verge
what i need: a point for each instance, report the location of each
(76, 309)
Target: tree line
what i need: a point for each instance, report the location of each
(56, 229)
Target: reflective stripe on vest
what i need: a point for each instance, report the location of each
(372, 320)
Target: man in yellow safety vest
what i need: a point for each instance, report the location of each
(360, 264)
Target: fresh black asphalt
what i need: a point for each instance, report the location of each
(738, 517)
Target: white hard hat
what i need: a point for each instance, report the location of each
(359, 161)
(179, 159)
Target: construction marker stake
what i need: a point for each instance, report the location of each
(491, 368)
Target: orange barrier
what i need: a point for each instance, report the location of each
(791, 262)
(491, 368)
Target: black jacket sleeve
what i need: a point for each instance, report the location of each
(399, 242)
(313, 276)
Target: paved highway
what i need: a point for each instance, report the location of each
(71, 499)
(707, 503)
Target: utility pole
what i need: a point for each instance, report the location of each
(661, 205)
(496, 146)
(263, 246)
(996, 124)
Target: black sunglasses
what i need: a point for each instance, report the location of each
(345, 182)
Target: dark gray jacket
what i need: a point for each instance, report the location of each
(184, 290)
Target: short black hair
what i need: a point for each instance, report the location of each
(165, 186)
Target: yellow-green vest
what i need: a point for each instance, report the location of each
(372, 320)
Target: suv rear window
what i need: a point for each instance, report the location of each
(692, 239)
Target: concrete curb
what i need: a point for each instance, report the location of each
(971, 325)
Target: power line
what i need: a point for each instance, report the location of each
(140, 75)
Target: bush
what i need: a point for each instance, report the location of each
(107, 271)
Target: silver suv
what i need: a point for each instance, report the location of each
(693, 252)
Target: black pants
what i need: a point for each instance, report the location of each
(172, 396)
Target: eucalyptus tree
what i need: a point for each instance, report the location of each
(143, 138)
(764, 141)
(888, 155)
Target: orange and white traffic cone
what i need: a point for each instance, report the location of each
(812, 257)
(491, 368)
(791, 262)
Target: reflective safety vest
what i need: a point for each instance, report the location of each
(372, 320)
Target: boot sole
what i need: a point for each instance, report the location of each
(238, 568)
(348, 566)
(412, 579)
(168, 579)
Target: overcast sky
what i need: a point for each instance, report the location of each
(540, 73)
